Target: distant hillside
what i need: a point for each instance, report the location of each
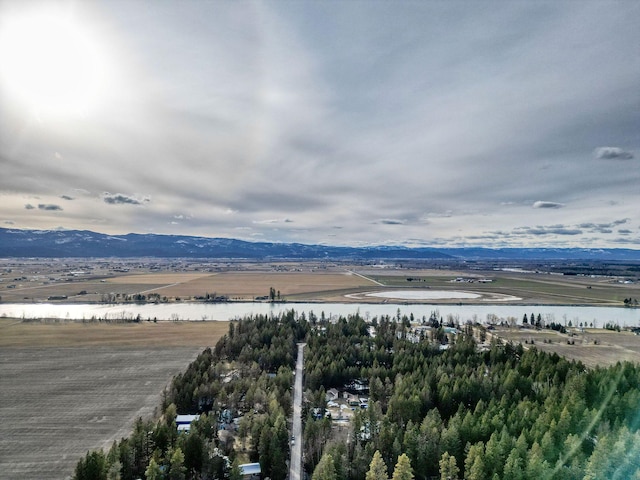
(83, 243)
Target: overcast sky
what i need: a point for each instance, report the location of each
(348, 123)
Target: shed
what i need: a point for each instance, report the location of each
(186, 419)
(250, 470)
(183, 422)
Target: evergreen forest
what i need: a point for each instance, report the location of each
(439, 407)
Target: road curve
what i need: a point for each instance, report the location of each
(295, 466)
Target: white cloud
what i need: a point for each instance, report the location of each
(272, 221)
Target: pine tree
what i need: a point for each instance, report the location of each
(153, 471)
(236, 472)
(403, 470)
(377, 468)
(92, 467)
(177, 471)
(326, 469)
(474, 463)
(448, 467)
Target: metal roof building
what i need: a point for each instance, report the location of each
(251, 470)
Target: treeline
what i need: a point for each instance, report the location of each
(243, 387)
(438, 404)
(502, 414)
(156, 451)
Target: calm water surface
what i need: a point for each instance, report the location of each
(227, 311)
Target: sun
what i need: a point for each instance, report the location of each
(49, 63)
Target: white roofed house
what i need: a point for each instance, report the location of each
(183, 422)
(250, 471)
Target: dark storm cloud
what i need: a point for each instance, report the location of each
(541, 204)
(624, 231)
(612, 153)
(28, 206)
(119, 199)
(49, 207)
(66, 197)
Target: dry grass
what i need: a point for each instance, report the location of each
(238, 285)
(157, 278)
(305, 282)
(248, 285)
(69, 387)
(530, 288)
(592, 347)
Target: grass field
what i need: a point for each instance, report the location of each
(529, 287)
(69, 387)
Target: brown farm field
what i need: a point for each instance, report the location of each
(100, 282)
(18, 334)
(592, 347)
(243, 285)
(248, 285)
(66, 388)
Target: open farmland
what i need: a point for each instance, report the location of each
(528, 287)
(69, 387)
(97, 281)
(248, 285)
(593, 347)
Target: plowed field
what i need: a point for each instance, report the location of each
(68, 388)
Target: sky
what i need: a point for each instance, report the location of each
(422, 123)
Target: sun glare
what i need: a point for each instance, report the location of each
(50, 64)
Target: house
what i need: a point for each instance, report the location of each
(351, 399)
(181, 419)
(332, 395)
(250, 471)
(183, 422)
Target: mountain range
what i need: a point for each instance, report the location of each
(83, 243)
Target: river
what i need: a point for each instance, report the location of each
(598, 316)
